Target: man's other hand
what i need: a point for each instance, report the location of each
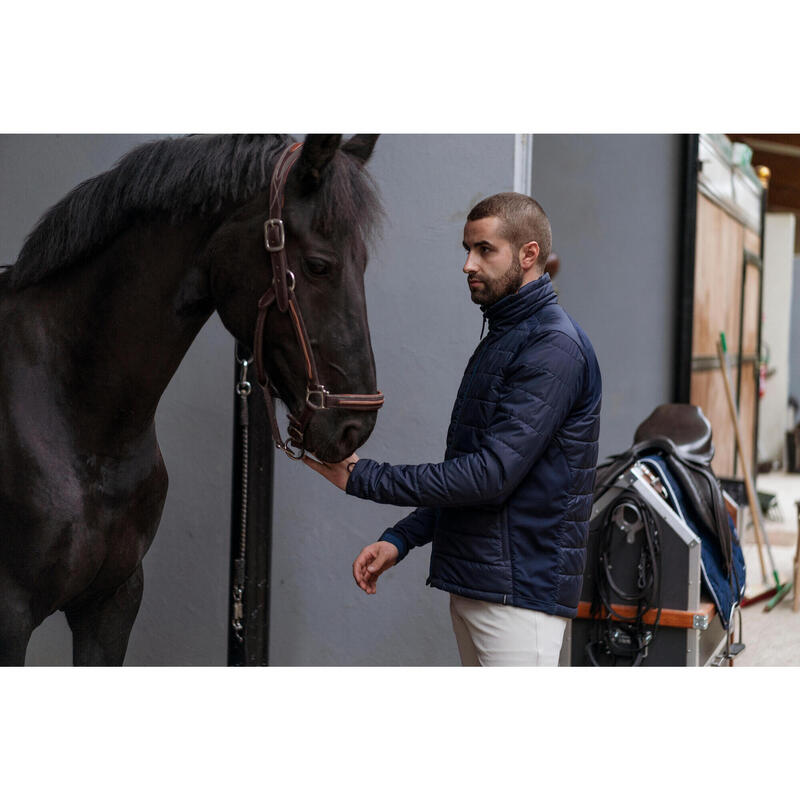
(337, 474)
(373, 560)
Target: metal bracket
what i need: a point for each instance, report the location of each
(627, 518)
(700, 622)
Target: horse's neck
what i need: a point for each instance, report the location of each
(119, 325)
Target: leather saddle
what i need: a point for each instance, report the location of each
(681, 434)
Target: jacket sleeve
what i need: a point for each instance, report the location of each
(414, 530)
(540, 389)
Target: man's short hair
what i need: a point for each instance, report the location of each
(522, 220)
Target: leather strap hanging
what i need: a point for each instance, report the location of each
(281, 294)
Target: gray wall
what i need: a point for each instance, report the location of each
(613, 202)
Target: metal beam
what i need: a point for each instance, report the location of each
(685, 271)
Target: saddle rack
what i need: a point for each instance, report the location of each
(678, 623)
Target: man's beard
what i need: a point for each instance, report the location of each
(498, 288)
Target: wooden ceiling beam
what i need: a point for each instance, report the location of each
(757, 140)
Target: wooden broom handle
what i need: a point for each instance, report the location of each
(748, 481)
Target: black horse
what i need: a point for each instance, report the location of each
(96, 314)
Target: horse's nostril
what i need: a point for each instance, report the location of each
(352, 436)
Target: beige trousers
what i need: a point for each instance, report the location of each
(494, 635)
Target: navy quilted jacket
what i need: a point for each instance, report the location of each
(508, 509)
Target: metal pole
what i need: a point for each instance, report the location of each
(685, 305)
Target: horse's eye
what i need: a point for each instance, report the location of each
(317, 267)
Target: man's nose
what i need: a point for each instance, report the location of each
(469, 267)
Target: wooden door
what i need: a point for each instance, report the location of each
(727, 298)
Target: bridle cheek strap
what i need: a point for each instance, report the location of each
(281, 293)
(318, 398)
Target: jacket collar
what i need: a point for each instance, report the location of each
(513, 308)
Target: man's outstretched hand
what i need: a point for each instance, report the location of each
(373, 560)
(338, 473)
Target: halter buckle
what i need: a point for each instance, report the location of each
(317, 390)
(271, 225)
(295, 434)
(286, 447)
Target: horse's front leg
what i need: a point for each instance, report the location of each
(16, 624)
(102, 626)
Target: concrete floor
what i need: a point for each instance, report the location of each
(772, 638)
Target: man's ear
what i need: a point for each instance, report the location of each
(529, 255)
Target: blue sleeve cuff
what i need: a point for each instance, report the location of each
(355, 483)
(398, 540)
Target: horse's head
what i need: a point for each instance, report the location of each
(329, 208)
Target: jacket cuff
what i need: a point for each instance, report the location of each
(398, 540)
(357, 484)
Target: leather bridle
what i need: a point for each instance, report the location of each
(281, 294)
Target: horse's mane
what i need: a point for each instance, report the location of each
(177, 177)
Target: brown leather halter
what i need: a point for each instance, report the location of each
(281, 293)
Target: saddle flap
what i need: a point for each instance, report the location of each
(684, 424)
(681, 434)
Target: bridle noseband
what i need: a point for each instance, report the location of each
(281, 293)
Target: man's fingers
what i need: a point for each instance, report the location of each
(335, 473)
(317, 466)
(309, 462)
(369, 564)
(357, 573)
(366, 583)
(363, 578)
(378, 565)
(360, 568)
(364, 558)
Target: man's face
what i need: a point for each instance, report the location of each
(492, 267)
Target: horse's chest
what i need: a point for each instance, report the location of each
(87, 532)
(122, 508)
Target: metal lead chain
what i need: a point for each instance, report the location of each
(243, 389)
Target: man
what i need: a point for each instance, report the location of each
(507, 510)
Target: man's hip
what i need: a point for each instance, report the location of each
(492, 634)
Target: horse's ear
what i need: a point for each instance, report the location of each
(318, 151)
(361, 145)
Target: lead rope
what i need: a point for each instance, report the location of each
(243, 389)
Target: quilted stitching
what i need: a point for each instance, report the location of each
(535, 368)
